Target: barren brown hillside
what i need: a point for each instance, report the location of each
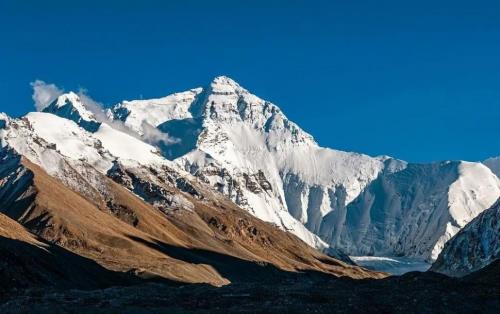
(215, 242)
(27, 261)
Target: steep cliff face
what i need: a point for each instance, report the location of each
(413, 212)
(475, 246)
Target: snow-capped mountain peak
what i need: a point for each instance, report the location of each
(226, 85)
(71, 106)
(228, 103)
(72, 99)
(246, 148)
(253, 147)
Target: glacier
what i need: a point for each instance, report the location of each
(392, 265)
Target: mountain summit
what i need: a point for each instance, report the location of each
(71, 106)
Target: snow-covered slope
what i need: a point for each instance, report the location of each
(474, 247)
(155, 111)
(51, 141)
(414, 211)
(247, 149)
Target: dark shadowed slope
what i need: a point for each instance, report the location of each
(27, 261)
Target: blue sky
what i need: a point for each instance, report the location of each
(418, 80)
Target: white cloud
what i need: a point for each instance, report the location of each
(44, 94)
(154, 136)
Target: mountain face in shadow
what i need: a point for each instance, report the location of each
(28, 261)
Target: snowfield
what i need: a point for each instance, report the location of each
(45, 138)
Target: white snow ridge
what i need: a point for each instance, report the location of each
(247, 149)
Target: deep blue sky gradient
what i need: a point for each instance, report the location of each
(418, 80)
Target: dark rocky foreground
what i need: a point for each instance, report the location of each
(304, 293)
